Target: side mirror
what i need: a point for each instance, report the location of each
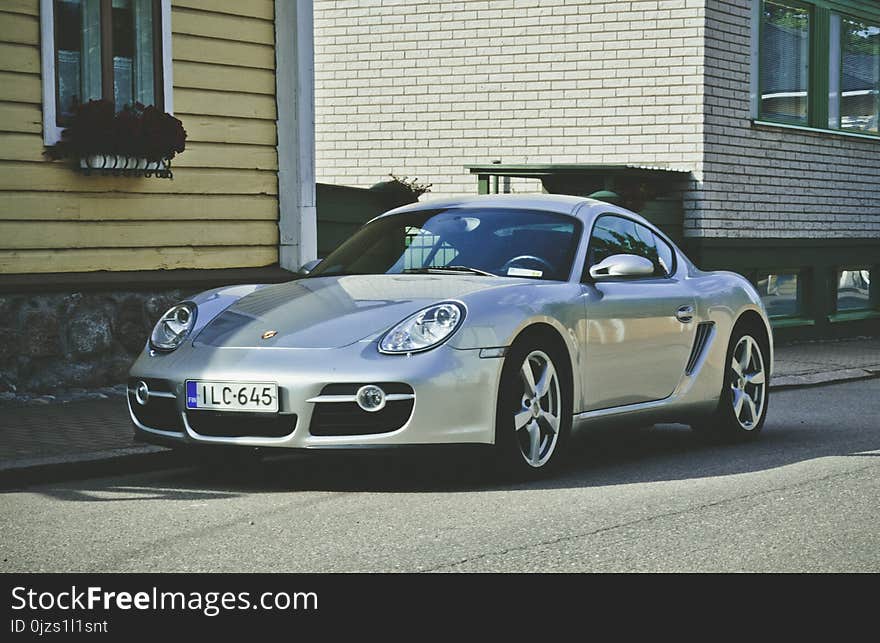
(622, 266)
(308, 266)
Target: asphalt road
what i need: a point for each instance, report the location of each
(803, 498)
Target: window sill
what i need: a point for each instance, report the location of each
(815, 130)
(791, 322)
(853, 315)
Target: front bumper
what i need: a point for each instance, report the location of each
(455, 393)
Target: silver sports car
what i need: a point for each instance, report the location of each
(496, 320)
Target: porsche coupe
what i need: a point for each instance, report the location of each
(500, 320)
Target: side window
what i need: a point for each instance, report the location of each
(614, 235)
(654, 248)
(611, 236)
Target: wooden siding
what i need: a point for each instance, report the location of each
(221, 208)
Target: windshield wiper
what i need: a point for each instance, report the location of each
(459, 269)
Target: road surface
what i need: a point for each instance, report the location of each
(803, 498)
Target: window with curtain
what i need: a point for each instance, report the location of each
(818, 64)
(859, 75)
(785, 61)
(107, 49)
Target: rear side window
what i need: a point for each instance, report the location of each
(617, 235)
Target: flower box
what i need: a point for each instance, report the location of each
(120, 165)
(137, 141)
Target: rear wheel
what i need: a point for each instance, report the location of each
(742, 407)
(534, 409)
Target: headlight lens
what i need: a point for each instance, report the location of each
(426, 329)
(173, 327)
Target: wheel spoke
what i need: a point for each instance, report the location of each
(737, 369)
(528, 378)
(543, 385)
(746, 356)
(750, 403)
(522, 418)
(551, 422)
(755, 378)
(534, 441)
(738, 398)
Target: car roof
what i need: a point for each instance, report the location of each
(558, 203)
(561, 203)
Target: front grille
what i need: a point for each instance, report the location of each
(347, 418)
(231, 424)
(704, 331)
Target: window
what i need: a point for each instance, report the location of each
(509, 243)
(853, 289)
(111, 49)
(614, 235)
(817, 65)
(859, 76)
(785, 62)
(780, 293)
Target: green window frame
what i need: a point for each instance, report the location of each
(800, 303)
(871, 302)
(825, 63)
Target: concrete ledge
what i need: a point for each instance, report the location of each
(822, 377)
(134, 459)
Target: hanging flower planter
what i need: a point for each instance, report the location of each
(137, 141)
(116, 165)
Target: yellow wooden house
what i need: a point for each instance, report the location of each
(241, 204)
(226, 66)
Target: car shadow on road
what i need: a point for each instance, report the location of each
(597, 458)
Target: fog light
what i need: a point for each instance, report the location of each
(371, 398)
(142, 393)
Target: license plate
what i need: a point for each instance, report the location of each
(232, 396)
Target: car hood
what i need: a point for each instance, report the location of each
(330, 312)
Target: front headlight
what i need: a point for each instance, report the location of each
(173, 327)
(424, 330)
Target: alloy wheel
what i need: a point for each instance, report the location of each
(537, 417)
(748, 382)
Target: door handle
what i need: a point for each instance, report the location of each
(685, 314)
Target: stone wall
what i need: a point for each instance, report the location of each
(57, 341)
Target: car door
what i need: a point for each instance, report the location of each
(636, 344)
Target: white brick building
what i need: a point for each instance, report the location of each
(782, 152)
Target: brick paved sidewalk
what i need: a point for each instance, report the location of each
(94, 430)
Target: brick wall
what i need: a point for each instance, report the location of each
(426, 88)
(773, 182)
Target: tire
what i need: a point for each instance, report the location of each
(530, 443)
(742, 406)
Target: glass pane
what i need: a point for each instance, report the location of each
(779, 292)
(785, 53)
(133, 51)
(503, 242)
(77, 53)
(860, 76)
(611, 236)
(123, 53)
(853, 288)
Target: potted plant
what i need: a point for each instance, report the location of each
(136, 141)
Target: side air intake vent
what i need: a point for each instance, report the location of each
(704, 333)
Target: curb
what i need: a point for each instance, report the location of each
(783, 382)
(134, 459)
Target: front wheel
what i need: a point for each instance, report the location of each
(742, 407)
(534, 410)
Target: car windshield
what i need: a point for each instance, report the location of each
(495, 241)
